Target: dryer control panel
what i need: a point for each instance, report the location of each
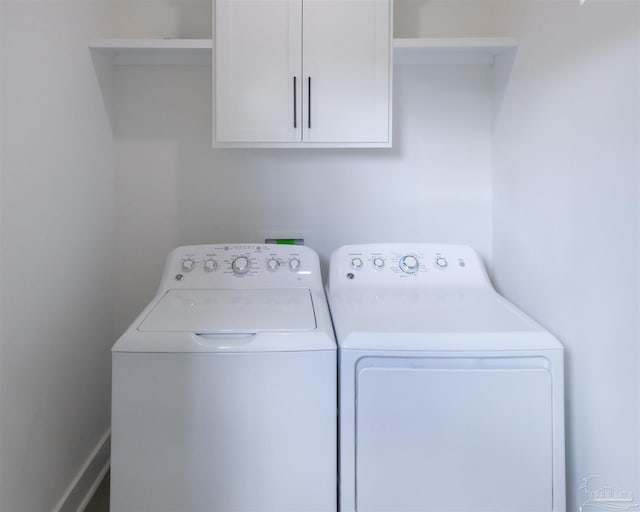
(241, 265)
(410, 264)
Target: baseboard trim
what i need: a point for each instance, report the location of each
(84, 485)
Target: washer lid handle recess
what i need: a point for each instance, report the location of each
(232, 311)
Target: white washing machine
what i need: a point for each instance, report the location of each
(450, 398)
(224, 388)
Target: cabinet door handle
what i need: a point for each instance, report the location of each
(295, 103)
(309, 104)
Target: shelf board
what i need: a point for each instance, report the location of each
(492, 45)
(480, 50)
(198, 51)
(155, 51)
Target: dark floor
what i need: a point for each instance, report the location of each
(100, 500)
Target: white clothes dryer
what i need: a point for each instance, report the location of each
(450, 398)
(224, 388)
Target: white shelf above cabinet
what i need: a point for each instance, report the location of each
(491, 45)
(407, 50)
(480, 50)
(195, 52)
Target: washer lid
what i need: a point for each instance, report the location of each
(232, 311)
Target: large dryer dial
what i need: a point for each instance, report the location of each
(409, 264)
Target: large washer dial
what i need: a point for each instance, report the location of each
(240, 265)
(409, 264)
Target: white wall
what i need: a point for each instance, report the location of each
(57, 251)
(566, 231)
(449, 18)
(173, 189)
(563, 240)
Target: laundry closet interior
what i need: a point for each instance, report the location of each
(515, 130)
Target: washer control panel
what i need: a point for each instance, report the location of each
(406, 264)
(259, 265)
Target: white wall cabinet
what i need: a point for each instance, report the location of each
(293, 73)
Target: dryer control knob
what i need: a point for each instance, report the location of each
(409, 264)
(356, 263)
(188, 264)
(240, 265)
(273, 264)
(210, 265)
(378, 263)
(294, 263)
(441, 262)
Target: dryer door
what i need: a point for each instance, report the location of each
(454, 434)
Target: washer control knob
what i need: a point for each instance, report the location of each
(188, 264)
(356, 263)
(409, 264)
(378, 263)
(273, 264)
(441, 262)
(240, 265)
(210, 265)
(294, 263)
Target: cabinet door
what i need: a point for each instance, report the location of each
(257, 77)
(346, 66)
